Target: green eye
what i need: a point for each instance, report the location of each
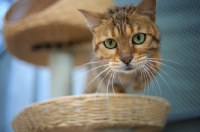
(110, 44)
(139, 38)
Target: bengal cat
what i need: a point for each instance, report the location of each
(126, 43)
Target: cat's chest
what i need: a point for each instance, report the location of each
(125, 79)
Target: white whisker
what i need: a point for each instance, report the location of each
(87, 72)
(86, 64)
(142, 71)
(164, 72)
(96, 77)
(153, 84)
(93, 58)
(108, 84)
(164, 60)
(147, 77)
(121, 81)
(163, 64)
(101, 82)
(155, 80)
(161, 76)
(113, 86)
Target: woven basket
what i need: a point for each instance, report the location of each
(33, 27)
(94, 112)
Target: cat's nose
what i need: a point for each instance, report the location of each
(126, 59)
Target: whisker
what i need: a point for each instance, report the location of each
(93, 58)
(150, 81)
(162, 77)
(159, 75)
(165, 60)
(86, 73)
(142, 71)
(121, 81)
(108, 84)
(101, 82)
(163, 65)
(96, 77)
(147, 78)
(155, 80)
(112, 81)
(103, 79)
(113, 86)
(86, 64)
(164, 72)
(118, 63)
(116, 66)
(146, 75)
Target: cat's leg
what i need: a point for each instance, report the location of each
(118, 89)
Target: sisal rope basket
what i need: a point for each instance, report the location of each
(33, 27)
(94, 113)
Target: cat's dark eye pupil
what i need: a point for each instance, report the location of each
(138, 37)
(110, 42)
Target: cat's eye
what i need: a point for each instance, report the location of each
(138, 38)
(110, 44)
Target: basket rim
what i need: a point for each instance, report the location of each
(158, 121)
(102, 95)
(75, 97)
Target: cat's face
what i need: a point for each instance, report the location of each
(125, 37)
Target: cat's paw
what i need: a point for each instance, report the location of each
(137, 89)
(119, 89)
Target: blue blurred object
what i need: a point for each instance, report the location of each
(20, 83)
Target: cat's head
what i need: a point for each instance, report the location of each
(126, 37)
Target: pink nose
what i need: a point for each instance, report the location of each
(126, 59)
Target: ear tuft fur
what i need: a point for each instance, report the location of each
(93, 19)
(147, 7)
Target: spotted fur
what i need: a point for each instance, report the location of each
(121, 24)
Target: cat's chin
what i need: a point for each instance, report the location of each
(126, 70)
(129, 68)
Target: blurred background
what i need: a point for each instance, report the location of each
(22, 83)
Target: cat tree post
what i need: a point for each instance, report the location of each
(60, 65)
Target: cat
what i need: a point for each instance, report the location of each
(126, 43)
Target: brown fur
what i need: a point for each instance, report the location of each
(121, 24)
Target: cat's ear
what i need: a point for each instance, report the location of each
(93, 19)
(147, 7)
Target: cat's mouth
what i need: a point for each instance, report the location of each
(128, 68)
